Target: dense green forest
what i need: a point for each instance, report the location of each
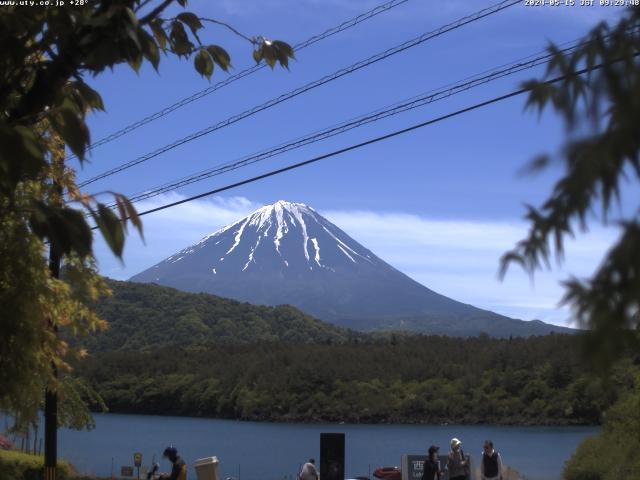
(431, 379)
(170, 352)
(613, 454)
(147, 316)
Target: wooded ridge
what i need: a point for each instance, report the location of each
(534, 381)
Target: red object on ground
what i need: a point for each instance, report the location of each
(388, 473)
(5, 443)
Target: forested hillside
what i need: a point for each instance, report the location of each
(148, 317)
(539, 380)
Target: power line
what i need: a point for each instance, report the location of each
(395, 109)
(294, 93)
(248, 71)
(446, 91)
(365, 143)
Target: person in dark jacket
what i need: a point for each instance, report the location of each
(491, 464)
(178, 469)
(432, 465)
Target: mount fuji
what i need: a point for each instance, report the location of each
(286, 253)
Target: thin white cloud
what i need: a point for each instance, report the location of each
(458, 259)
(454, 234)
(170, 230)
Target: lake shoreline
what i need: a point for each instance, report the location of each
(319, 420)
(256, 447)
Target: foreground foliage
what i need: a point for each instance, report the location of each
(614, 453)
(601, 168)
(539, 380)
(48, 54)
(600, 158)
(34, 305)
(23, 466)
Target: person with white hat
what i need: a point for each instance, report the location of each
(457, 463)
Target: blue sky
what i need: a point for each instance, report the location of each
(441, 204)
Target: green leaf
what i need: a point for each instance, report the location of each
(268, 54)
(135, 63)
(72, 128)
(159, 33)
(132, 35)
(191, 20)
(65, 228)
(149, 48)
(507, 259)
(284, 47)
(90, 97)
(257, 55)
(111, 228)
(121, 210)
(21, 156)
(102, 55)
(220, 56)
(203, 63)
(75, 226)
(282, 51)
(133, 215)
(179, 40)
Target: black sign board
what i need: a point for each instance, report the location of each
(413, 466)
(126, 471)
(332, 456)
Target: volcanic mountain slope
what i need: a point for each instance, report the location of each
(286, 253)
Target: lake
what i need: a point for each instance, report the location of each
(265, 451)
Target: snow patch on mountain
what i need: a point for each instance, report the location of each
(238, 236)
(253, 249)
(317, 248)
(282, 225)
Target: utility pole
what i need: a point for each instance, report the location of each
(51, 399)
(51, 396)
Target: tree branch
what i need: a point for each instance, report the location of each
(155, 12)
(143, 4)
(241, 35)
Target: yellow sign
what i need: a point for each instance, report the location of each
(137, 459)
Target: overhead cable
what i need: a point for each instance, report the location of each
(363, 144)
(248, 71)
(298, 91)
(395, 109)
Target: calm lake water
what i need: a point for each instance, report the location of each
(269, 451)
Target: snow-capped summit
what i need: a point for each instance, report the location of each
(283, 236)
(287, 253)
